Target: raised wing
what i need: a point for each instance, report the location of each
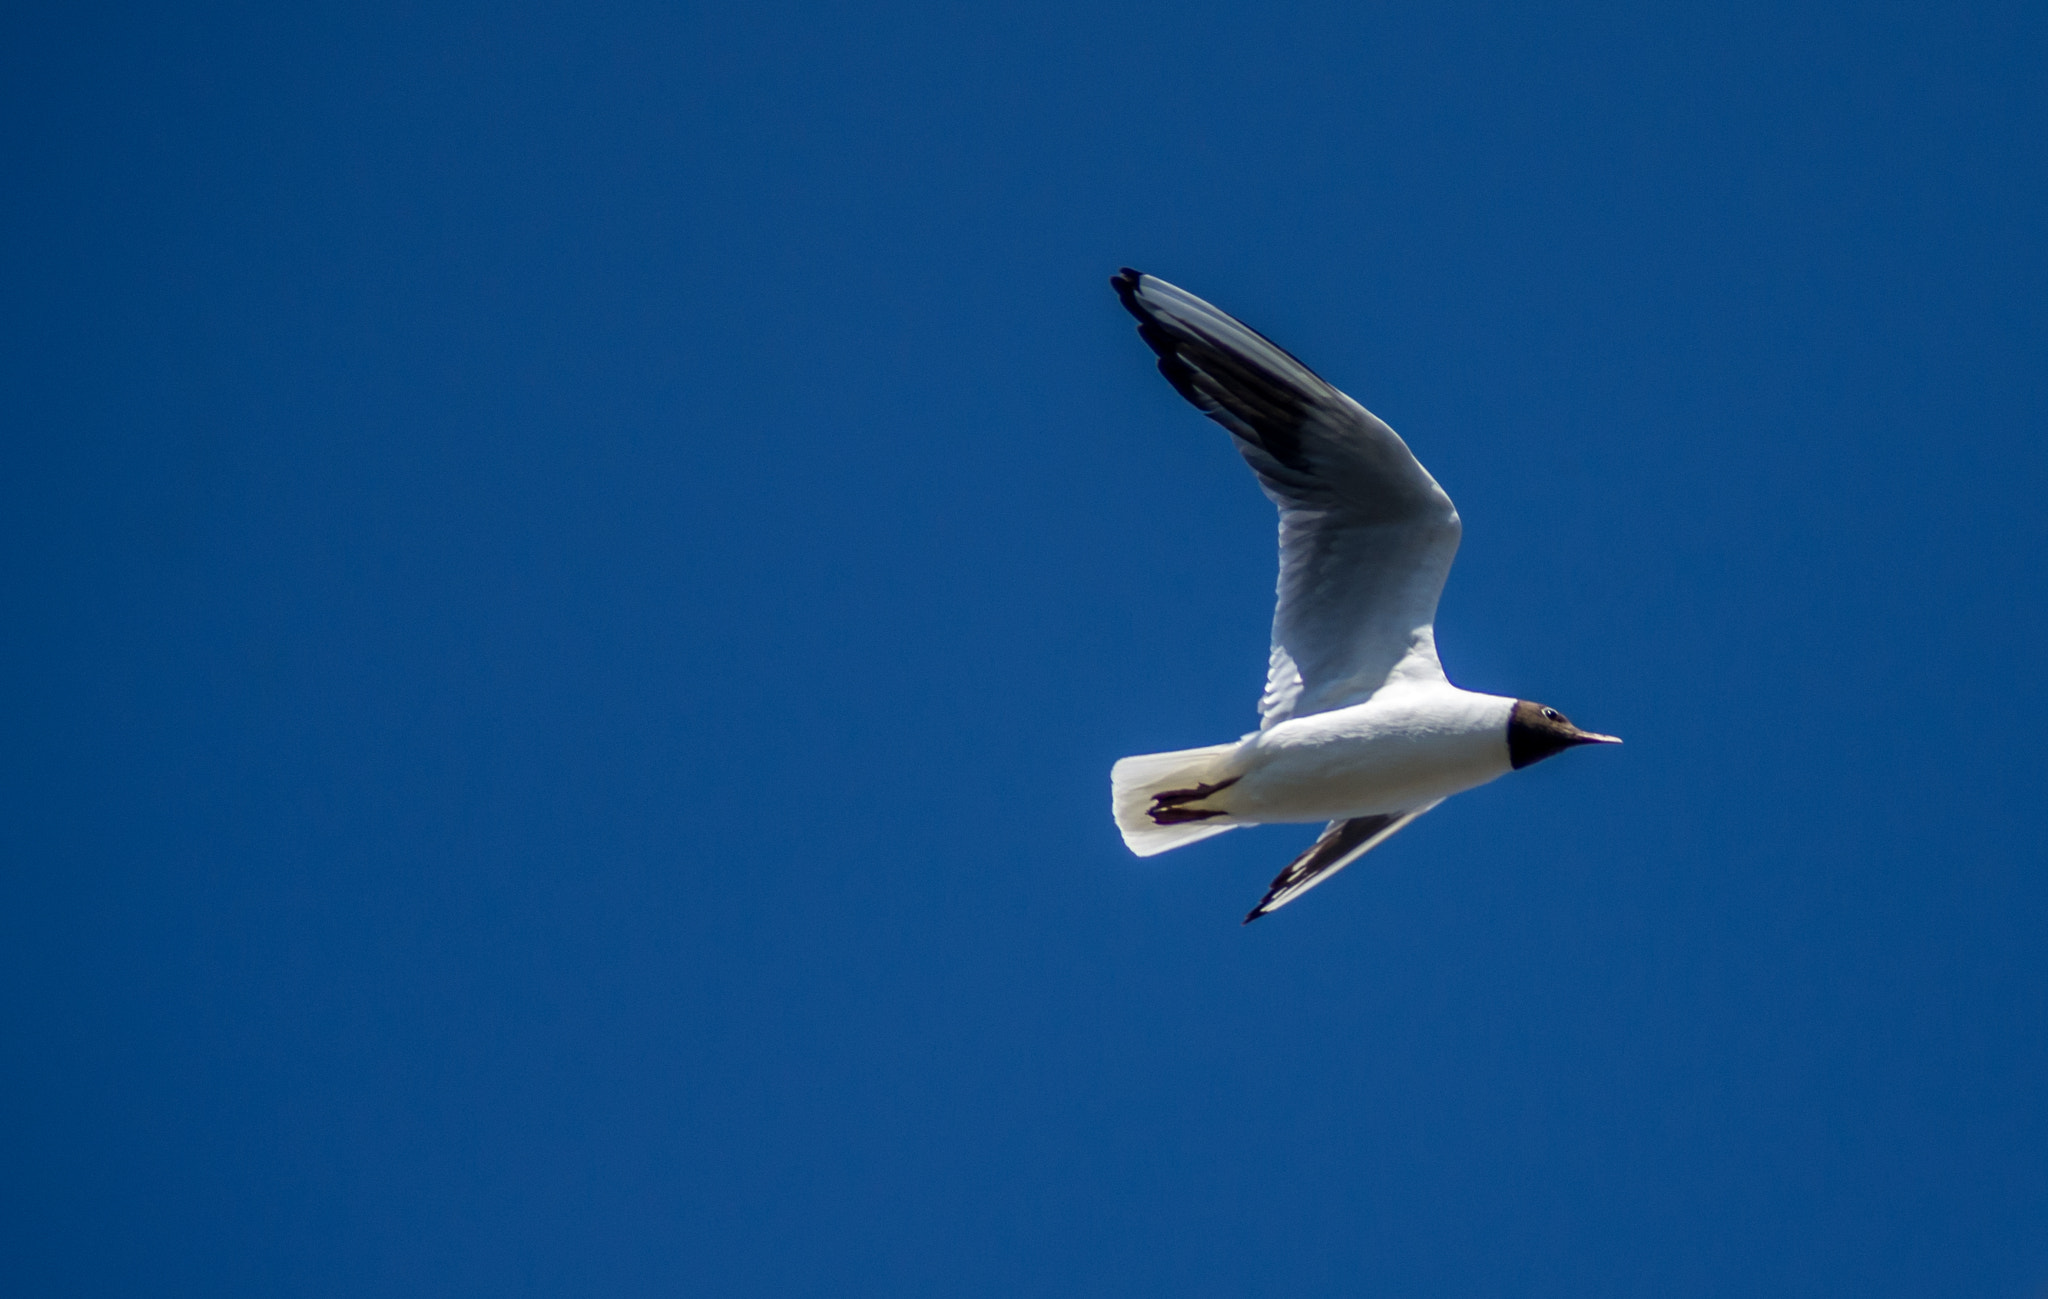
(1366, 535)
(1342, 843)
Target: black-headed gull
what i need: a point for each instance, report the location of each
(1358, 725)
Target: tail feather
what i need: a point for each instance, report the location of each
(1156, 797)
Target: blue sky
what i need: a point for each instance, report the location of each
(575, 575)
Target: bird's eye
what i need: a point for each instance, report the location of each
(1552, 715)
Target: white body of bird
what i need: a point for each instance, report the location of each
(1410, 746)
(1404, 747)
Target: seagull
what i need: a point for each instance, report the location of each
(1358, 725)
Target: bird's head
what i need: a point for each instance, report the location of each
(1536, 732)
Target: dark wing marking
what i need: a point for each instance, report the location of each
(1342, 843)
(1236, 376)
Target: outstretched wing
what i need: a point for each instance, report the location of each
(1366, 535)
(1342, 843)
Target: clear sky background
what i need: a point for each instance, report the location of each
(574, 575)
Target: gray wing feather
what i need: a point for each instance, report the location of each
(1366, 535)
(1340, 844)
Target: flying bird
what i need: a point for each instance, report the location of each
(1358, 725)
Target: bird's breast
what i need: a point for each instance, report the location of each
(1385, 755)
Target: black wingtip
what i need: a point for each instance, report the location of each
(1125, 282)
(1257, 911)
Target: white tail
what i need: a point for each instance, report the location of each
(1134, 782)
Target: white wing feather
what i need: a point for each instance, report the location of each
(1366, 535)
